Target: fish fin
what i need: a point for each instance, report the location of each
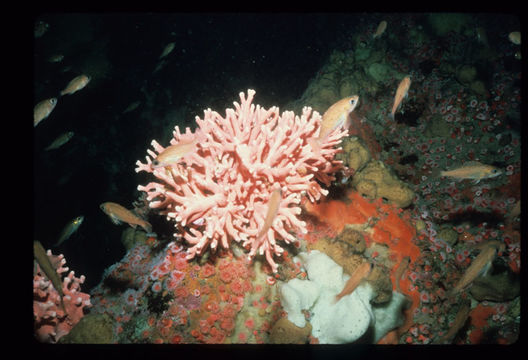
(473, 163)
(147, 227)
(115, 220)
(476, 181)
(451, 293)
(485, 269)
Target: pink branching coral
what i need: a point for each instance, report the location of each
(50, 320)
(219, 191)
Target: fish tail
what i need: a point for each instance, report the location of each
(147, 226)
(450, 294)
(60, 241)
(436, 173)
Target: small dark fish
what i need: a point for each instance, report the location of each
(69, 229)
(76, 84)
(60, 140)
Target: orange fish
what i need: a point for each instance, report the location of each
(380, 30)
(361, 273)
(460, 319)
(473, 170)
(402, 91)
(335, 117)
(43, 109)
(118, 214)
(479, 265)
(173, 153)
(273, 208)
(76, 84)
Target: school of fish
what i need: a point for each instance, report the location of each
(336, 116)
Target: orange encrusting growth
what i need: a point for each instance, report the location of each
(479, 319)
(397, 234)
(337, 213)
(391, 338)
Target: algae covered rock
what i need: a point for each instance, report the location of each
(380, 280)
(479, 88)
(443, 23)
(466, 74)
(375, 181)
(379, 72)
(353, 238)
(131, 238)
(355, 154)
(499, 287)
(447, 68)
(286, 332)
(437, 127)
(91, 329)
(341, 251)
(449, 235)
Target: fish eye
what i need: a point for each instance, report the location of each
(494, 171)
(155, 162)
(352, 101)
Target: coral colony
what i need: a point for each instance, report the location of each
(219, 193)
(52, 321)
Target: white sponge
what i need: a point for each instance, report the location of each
(332, 322)
(297, 295)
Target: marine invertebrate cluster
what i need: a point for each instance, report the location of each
(178, 301)
(219, 191)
